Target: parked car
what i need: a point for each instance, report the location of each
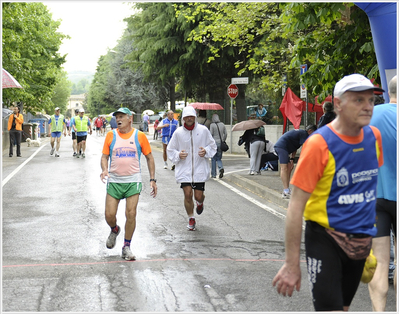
(155, 117)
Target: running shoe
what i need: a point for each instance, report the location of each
(252, 173)
(165, 166)
(74, 154)
(221, 172)
(285, 196)
(191, 224)
(57, 155)
(77, 156)
(258, 173)
(127, 254)
(83, 155)
(200, 208)
(112, 238)
(173, 167)
(52, 151)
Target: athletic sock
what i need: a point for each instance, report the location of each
(127, 243)
(115, 229)
(286, 191)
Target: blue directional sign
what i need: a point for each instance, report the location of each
(304, 68)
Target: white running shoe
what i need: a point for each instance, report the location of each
(191, 224)
(52, 151)
(127, 254)
(112, 238)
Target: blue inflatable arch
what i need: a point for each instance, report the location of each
(382, 17)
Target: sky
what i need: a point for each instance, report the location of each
(94, 27)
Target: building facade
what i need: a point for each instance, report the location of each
(75, 102)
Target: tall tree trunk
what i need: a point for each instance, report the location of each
(172, 94)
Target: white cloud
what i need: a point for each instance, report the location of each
(94, 26)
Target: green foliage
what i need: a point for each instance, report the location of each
(273, 39)
(334, 39)
(81, 87)
(30, 53)
(61, 94)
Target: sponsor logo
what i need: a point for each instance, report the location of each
(124, 152)
(358, 150)
(351, 198)
(368, 196)
(365, 175)
(342, 177)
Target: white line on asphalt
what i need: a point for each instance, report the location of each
(20, 167)
(254, 201)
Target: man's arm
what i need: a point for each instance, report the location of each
(151, 169)
(104, 167)
(289, 276)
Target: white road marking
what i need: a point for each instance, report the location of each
(20, 166)
(254, 201)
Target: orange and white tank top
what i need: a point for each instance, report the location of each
(125, 159)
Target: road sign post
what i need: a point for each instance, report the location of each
(304, 94)
(232, 91)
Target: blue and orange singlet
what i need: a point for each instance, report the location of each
(341, 174)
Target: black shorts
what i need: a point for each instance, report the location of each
(73, 136)
(81, 138)
(283, 155)
(195, 186)
(386, 217)
(333, 276)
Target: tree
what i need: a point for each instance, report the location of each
(30, 53)
(61, 94)
(334, 39)
(275, 39)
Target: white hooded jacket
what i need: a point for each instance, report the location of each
(194, 168)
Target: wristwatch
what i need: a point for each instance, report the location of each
(155, 180)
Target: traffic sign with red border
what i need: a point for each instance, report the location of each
(232, 91)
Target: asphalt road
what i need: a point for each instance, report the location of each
(55, 259)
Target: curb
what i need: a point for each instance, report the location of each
(254, 187)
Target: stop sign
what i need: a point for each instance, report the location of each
(232, 91)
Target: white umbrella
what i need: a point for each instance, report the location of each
(149, 112)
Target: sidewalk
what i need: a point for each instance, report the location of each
(268, 185)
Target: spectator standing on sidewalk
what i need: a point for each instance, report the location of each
(168, 127)
(15, 122)
(285, 146)
(202, 119)
(257, 146)
(261, 112)
(335, 190)
(219, 134)
(328, 116)
(385, 119)
(124, 176)
(189, 149)
(56, 126)
(81, 125)
(156, 123)
(146, 119)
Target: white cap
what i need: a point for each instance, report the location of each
(354, 83)
(189, 111)
(58, 108)
(81, 110)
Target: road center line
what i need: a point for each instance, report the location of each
(20, 166)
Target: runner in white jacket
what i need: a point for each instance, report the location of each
(189, 149)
